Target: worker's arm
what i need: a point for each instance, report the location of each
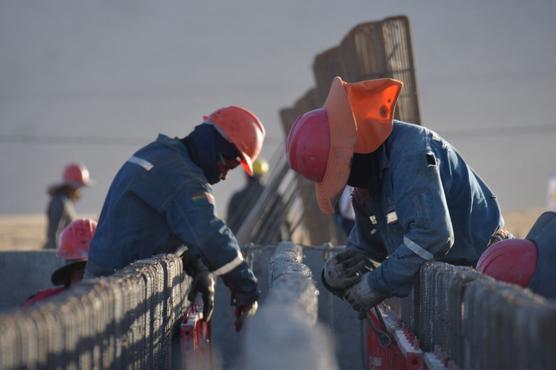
(363, 235)
(364, 248)
(191, 215)
(422, 214)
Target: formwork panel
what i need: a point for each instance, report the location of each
(363, 53)
(441, 306)
(508, 327)
(120, 322)
(399, 59)
(326, 66)
(383, 50)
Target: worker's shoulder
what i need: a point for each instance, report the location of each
(169, 157)
(408, 138)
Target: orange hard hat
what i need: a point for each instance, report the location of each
(76, 174)
(355, 118)
(512, 260)
(243, 129)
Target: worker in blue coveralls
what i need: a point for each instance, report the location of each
(161, 199)
(415, 198)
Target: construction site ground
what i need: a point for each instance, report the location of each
(27, 232)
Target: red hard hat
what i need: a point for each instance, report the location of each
(75, 238)
(242, 128)
(73, 247)
(309, 157)
(513, 261)
(76, 174)
(355, 118)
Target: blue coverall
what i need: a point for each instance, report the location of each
(159, 200)
(430, 205)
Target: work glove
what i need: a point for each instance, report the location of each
(344, 270)
(353, 260)
(245, 307)
(204, 284)
(362, 297)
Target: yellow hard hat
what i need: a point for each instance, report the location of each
(260, 167)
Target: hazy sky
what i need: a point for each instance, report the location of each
(129, 69)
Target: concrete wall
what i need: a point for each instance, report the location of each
(479, 322)
(23, 273)
(337, 315)
(285, 333)
(333, 314)
(120, 322)
(226, 343)
(126, 320)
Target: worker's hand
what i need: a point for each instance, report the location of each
(344, 270)
(244, 312)
(203, 283)
(354, 261)
(245, 306)
(363, 297)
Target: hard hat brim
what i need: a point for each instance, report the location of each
(247, 164)
(360, 119)
(342, 142)
(61, 275)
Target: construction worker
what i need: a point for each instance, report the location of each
(60, 211)
(415, 198)
(161, 199)
(243, 201)
(527, 262)
(74, 249)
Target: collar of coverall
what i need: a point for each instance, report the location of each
(360, 119)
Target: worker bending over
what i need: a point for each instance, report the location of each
(415, 198)
(162, 198)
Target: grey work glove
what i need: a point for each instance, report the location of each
(344, 270)
(245, 307)
(363, 297)
(353, 260)
(204, 284)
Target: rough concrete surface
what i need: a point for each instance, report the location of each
(124, 321)
(285, 333)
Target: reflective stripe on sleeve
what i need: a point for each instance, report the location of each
(417, 249)
(229, 266)
(141, 162)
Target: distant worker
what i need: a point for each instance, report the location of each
(527, 262)
(74, 249)
(161, 199)
(415, 198)
(243, 201)
(60, 211)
